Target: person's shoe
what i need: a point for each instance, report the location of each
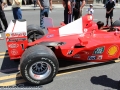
(106, 26)
(4, 30)
(1, 31)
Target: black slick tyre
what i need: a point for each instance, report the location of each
(38, 65)
(116, 23)
(34, 32)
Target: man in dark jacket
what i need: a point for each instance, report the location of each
(2, 17)
(109, 11)
(68, 10)
(77, 10)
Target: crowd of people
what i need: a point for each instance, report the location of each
(72, 10)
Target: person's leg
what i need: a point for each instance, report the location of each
(25, 2)
(111, 18)
(1, 29)
(41, 18)
(4, 20)
(73, 15)
(19, 13)
(107, 19)
(76, 14)
(66, 17)
(46, 12)
(80, 14)
(34, 3)
(69, 18)
(14, 13)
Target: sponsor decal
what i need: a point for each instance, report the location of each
(16, 34)
(92, 57)
(70, 52)
(99, 57)
(14, 52)
(99, 50)
(13, 45)
(36, 76)
(50, 35)
(16, 39)
(112, 50)
(7, 35)
(76, 56)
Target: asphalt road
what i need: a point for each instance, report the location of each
(100, 77)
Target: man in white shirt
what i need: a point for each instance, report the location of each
(90, 9)
(16, 4)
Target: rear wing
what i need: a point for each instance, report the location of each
(16, 38)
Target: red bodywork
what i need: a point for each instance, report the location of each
(92, 45)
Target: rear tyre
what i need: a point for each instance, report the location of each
(116, 23)
(34, 32)
(38, 65)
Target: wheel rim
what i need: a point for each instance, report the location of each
(40, 70)
(34, 36)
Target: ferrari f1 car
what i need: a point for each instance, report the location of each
(79, 40)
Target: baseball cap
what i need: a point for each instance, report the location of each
(91, 5)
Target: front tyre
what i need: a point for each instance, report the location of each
(40, 66)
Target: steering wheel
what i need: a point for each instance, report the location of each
(113, 29)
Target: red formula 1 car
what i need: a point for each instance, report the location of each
(78, 41)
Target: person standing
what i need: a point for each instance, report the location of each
(45, 6)
(90, 10)
(109, 11)
(77, 10)
(2, 16)
(16, 4)
(35, 3)
(68, 10)
(25, 2)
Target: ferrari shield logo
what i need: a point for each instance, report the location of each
(99, 50)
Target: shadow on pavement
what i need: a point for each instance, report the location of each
(105, 81)
(9, 66)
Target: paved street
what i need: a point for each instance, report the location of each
(104, 77)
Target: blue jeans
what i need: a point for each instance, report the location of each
(17, 13)
(43, 13)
